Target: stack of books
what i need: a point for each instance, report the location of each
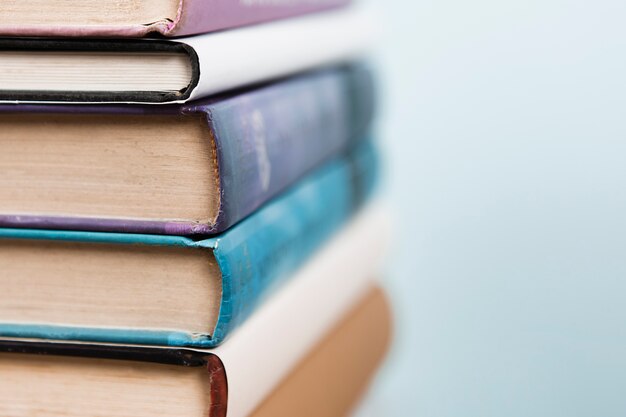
(186, 216)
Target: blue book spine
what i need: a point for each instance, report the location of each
(254, 257)
(263, 141)
(269, 138)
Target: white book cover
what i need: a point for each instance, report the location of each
(234, 58)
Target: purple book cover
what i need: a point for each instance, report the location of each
(266, 139)
(192, 17)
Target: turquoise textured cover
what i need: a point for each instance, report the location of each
(255, 256)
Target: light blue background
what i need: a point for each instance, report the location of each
(505, 138)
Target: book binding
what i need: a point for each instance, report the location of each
(255, 257)
(265, 139)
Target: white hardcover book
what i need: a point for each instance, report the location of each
(158, 71)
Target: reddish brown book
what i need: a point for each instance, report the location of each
(329, 382)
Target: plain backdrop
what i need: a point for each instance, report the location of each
(504, 134)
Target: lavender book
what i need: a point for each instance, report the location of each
(187, 169)
(133, 18)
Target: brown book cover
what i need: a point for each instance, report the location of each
(330, 381)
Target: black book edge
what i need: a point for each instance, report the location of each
(90, 45)
(165, 356)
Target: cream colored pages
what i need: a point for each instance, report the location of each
(38, 13)
(94, 71)
(286, 328)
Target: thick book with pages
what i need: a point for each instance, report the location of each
(172, 290)
(338, 332)
(196, 168)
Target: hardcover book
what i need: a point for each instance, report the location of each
(196, 168)
(332, 378)
(135, 18)
(158, 71)
(171, 290)
(256, 373)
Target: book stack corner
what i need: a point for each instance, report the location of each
(189, 219)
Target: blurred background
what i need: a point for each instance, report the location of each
(505, 140)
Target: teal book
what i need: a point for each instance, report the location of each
(171, 290)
